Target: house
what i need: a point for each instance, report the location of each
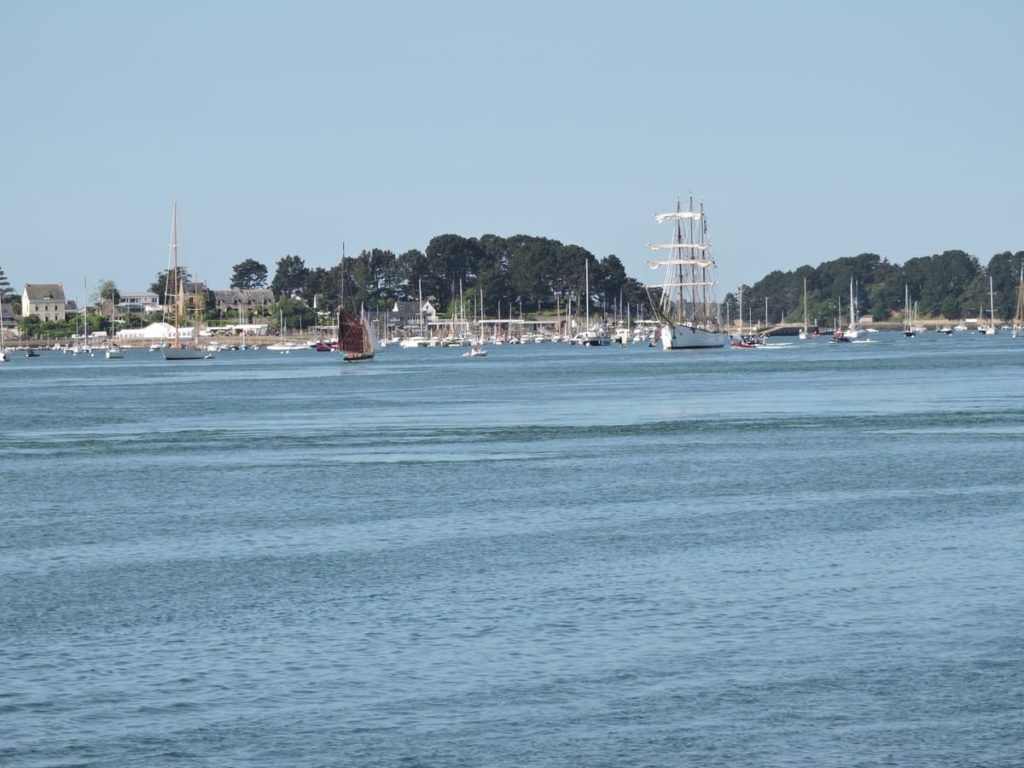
(407, 313)
(247, 299)
(8, 320)
(44, 300)
(139, 301)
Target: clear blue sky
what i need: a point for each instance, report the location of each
(812, 130)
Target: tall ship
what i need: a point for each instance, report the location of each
(688, 309)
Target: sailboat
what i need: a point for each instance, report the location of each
(356, 340)
(854, 329)
(1018, 317)
(908, 314)
(990, 328)
(176, 350)
(591, 337)
(803, 331)
(688, 310)
(3, 350)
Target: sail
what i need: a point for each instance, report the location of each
(687, 298)
(678, 246)
(350, 333)
(1018, 317)
(683, 262)
(374, 342)
(663, 217)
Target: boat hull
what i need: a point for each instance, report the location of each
(691, 337)
(356, 357)
(185, 353)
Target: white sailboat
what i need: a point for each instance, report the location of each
(3, 349)
(688, 309)
(803, 331)
(990, 328)
(908, 314)
(176, 350)
(1018, 317)
(591, 337)
(853, 330)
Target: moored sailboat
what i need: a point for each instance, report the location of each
(1018, 317)
(688, 310)
(803, 331)
(908, 314)
(176, 287)
(3, 350)
(990, 328)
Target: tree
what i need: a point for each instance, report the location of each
(316, 285)
(611, 281)
(412, 267)
(290, 276)
(295, 312)
(107, 291)
(160, 285)
(248, 274)
(6, 293)
(451, 259)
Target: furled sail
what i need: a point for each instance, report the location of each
(678, 246)
(662, 217)
(682, 262)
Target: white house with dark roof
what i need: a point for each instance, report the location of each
(44, 300)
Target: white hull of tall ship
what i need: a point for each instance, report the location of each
(690, 337)
(185, 353)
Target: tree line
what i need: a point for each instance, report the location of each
(536, 273)
(950, 285)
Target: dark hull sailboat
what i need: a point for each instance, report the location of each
(356, 340)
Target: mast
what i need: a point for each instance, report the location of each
(741, 310)
(688, 290)
(991, 304)
(852, 319)
(805, 306)
(85, 314)
(179, 296)
(586, 272)
(906, 308)
(1018, 320)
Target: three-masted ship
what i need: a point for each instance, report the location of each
(688, 308)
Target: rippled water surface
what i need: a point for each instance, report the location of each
(803, 555)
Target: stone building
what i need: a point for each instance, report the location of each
(44, 300)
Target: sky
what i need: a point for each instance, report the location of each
(810, 130)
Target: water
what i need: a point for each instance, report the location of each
(805, 555)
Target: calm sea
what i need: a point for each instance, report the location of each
(807, 555)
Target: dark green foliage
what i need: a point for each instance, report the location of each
(951, 285)
(6, 292)
(290, 277)
(159, 286)
(296, 313)
(248, 274)
(107, 289)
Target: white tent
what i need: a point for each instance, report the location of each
(153, 331)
